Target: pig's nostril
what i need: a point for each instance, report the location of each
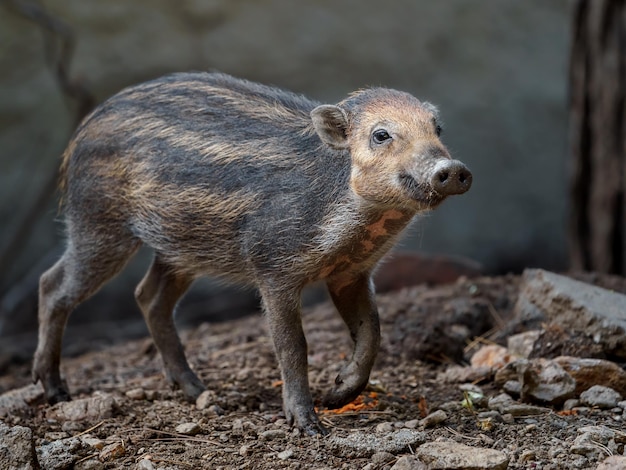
(452, 177)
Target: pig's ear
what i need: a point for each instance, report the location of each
(331, 124)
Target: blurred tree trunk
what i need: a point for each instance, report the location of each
(598, 136)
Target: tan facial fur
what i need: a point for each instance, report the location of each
(413, 148)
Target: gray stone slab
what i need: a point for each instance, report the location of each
(599, 313)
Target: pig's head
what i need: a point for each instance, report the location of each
(394, 142)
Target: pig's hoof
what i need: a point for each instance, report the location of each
(191, 386)
(341, 395)
(57, 395)
(315, 429)
(308, 422)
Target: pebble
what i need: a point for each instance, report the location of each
(285, 454)
(411, 424)
(244, 450)
(381, 459)
(91, 441)
(408, 463)
(136, 394)
(112, 452)
(461, 374)
(492, 356)
(512, 387)
(570, 404)
(506, 405)
(614, 462)
(59, 454)
(96, 407)
(366, 444)
(452, 455)
(383, 428)
(521, 345)
(16, 446)
(589, 372)
(434, 419)
(145, 464)
(600, 396)
(272, 434)
(205, 400)
(494, 415)
(545, 381)
(188, 429)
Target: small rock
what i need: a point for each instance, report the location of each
(411, 424)
(244, 450)
(543, 380)
(603, 434)
(145, 464)
(237, 428)
(19, 399)
(570, 404)
(512, 387)
(523, 409)
(136, 394)
(91, 441)
(461, 374)
(285, 454)
(380, 459)
(492, 356)
(188, 429)
(505, 405)
(17, 446)
(366, 444)
(527, 456)
(434, 419)
(452, 455)
(589, 372)
(451, 406)
(506, 374)
(383, 428)
(89, 464)
(98, 406)
(409, 463)
(600, 396)
(521, 345)
(205, 400)
(614, 462)
(272, 435)
(215, 410)
(112, 452)
(59, 454)
(500, 401)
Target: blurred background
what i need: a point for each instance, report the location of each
(501, 73)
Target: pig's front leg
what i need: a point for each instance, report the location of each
(282, 306)
(355, 301)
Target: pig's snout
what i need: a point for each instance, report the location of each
(451, 177)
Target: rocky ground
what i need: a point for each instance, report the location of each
(455, 386)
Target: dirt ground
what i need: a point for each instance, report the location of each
(240, 422)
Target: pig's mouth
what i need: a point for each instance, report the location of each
(422, 193)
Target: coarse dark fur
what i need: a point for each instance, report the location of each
(230, 178)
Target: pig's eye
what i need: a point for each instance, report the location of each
(438, 130)
(381, 135)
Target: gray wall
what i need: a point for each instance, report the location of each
(497, 70)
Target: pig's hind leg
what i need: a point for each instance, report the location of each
(89, 261)
(157, 295)
(357, 306)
